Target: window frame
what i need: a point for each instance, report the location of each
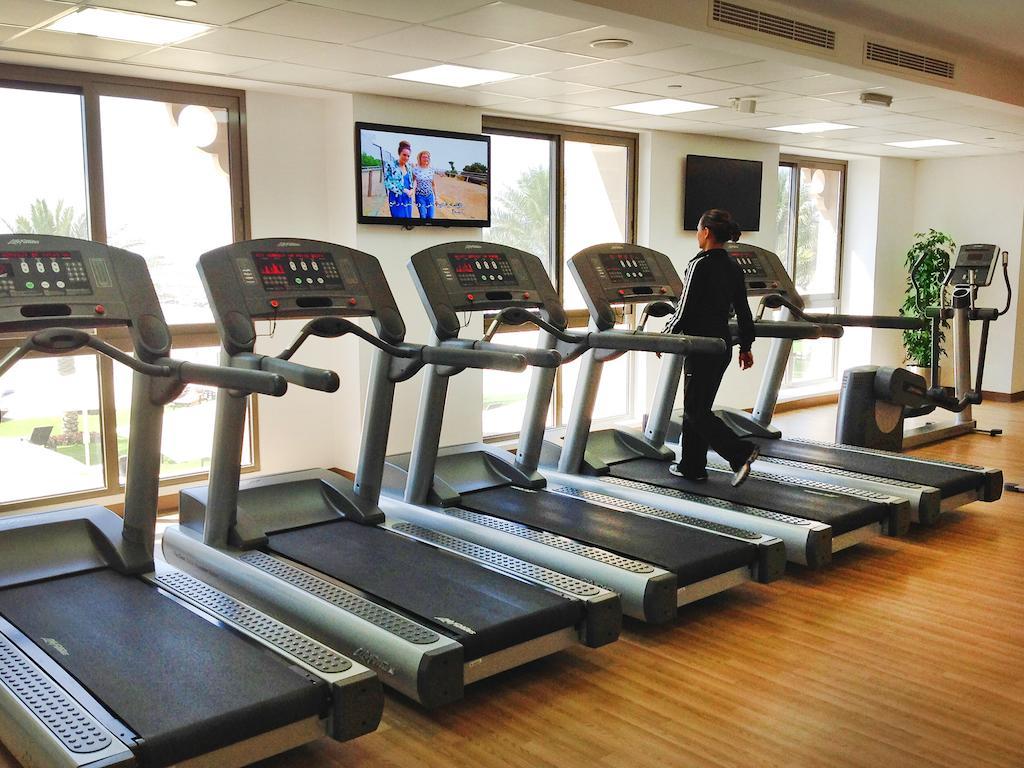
(91, 87)
(814, 301)
(559, 134)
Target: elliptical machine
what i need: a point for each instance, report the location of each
(874, 401)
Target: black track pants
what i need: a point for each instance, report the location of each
(701, 428)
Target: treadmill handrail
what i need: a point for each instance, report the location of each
(790, 329)
(896, 322)
(59, 341)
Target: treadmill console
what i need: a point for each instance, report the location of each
(621, 273)
(471, 276)
(80, 284)
(272, 278)
(763, 271)
(975, 265)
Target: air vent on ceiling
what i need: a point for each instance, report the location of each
(751, 19)
(919, 62)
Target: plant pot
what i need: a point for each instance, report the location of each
(921, 370)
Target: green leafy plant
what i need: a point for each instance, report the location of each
(934, 249)
(43, 220)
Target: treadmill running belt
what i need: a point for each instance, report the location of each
(843, 513)
(949, 480)
(184, 685)
(443, 589)
(693, 555)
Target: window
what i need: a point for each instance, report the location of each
(557, 190)
(809, 242)
(155, 168)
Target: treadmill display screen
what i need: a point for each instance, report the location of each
(621, 267)
(749, 264)
(281, 271)
(975, 258)
(43, 273)
(482, 269)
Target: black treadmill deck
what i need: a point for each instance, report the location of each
(950, 480)
(693, 555)
(183, 684)
(843, 513)
(444, 590)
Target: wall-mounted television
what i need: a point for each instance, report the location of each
(722, 182)
(418, 177)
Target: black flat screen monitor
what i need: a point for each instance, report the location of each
(721, 182)
(417, 177)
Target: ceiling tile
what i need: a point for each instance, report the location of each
(885, 120)
(511, 22)
(215, 12)
(821, 84)
(598, 115)
(579, 42)
(676, 86)
(538, 107)
(313, 22)
(536, 88)
(85, 46)
(656, 123)
(403, 89)
(350, 59)
(688, 58)
(196, 61)
(525, 60)
(600, 97)
(7, 32)
(805, 105)
(481, 98)
(431, 43)
(924, 104)
(241, 42)
(28, 13)
(280, 72)
(402, 10)
(607, 73)
(758, 72)
(724, 96)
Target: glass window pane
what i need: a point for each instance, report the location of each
(43, 160)
(188, 421)
(817, 236)
(505, 393)
(813, 361)
(784, 213)
(167, 192)
(613, 396)
(522, 191)
(50, 428)
(596, 198)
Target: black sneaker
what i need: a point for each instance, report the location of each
(698, 477)
(740, 475)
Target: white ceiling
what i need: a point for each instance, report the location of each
(353, 45)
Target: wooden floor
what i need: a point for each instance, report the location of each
(903, 653)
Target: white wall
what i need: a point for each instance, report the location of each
(660, 226)
(981, 200)
(394, 246)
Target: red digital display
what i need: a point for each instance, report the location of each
(5, 269)
(297, 271)
(35, 255)
(272, 268)
(478, 269)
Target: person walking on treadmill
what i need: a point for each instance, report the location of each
(713, 290)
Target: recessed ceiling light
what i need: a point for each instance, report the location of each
(454, 75)
(918, 143)
(811, 127)
(611, 43)
(133, 27)
(187, 3)
(664, 107)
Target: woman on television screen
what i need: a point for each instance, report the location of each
(398, 181)
(426, 189)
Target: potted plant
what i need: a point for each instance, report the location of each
(934, 250)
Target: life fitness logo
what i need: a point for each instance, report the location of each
(22, 241)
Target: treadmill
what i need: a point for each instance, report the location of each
(633, 465)
(110, 659)
(655, 561)
(429, 612)
(929, 485)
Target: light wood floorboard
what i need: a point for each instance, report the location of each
(904, 652)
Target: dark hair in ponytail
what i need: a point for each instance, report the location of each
(721, 225)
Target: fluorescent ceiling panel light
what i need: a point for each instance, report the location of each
(811, 127)
(132, 27)
(455, 76)
(918, 143)
(664, 107)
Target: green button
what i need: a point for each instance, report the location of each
(30, 285)
(298, 280)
